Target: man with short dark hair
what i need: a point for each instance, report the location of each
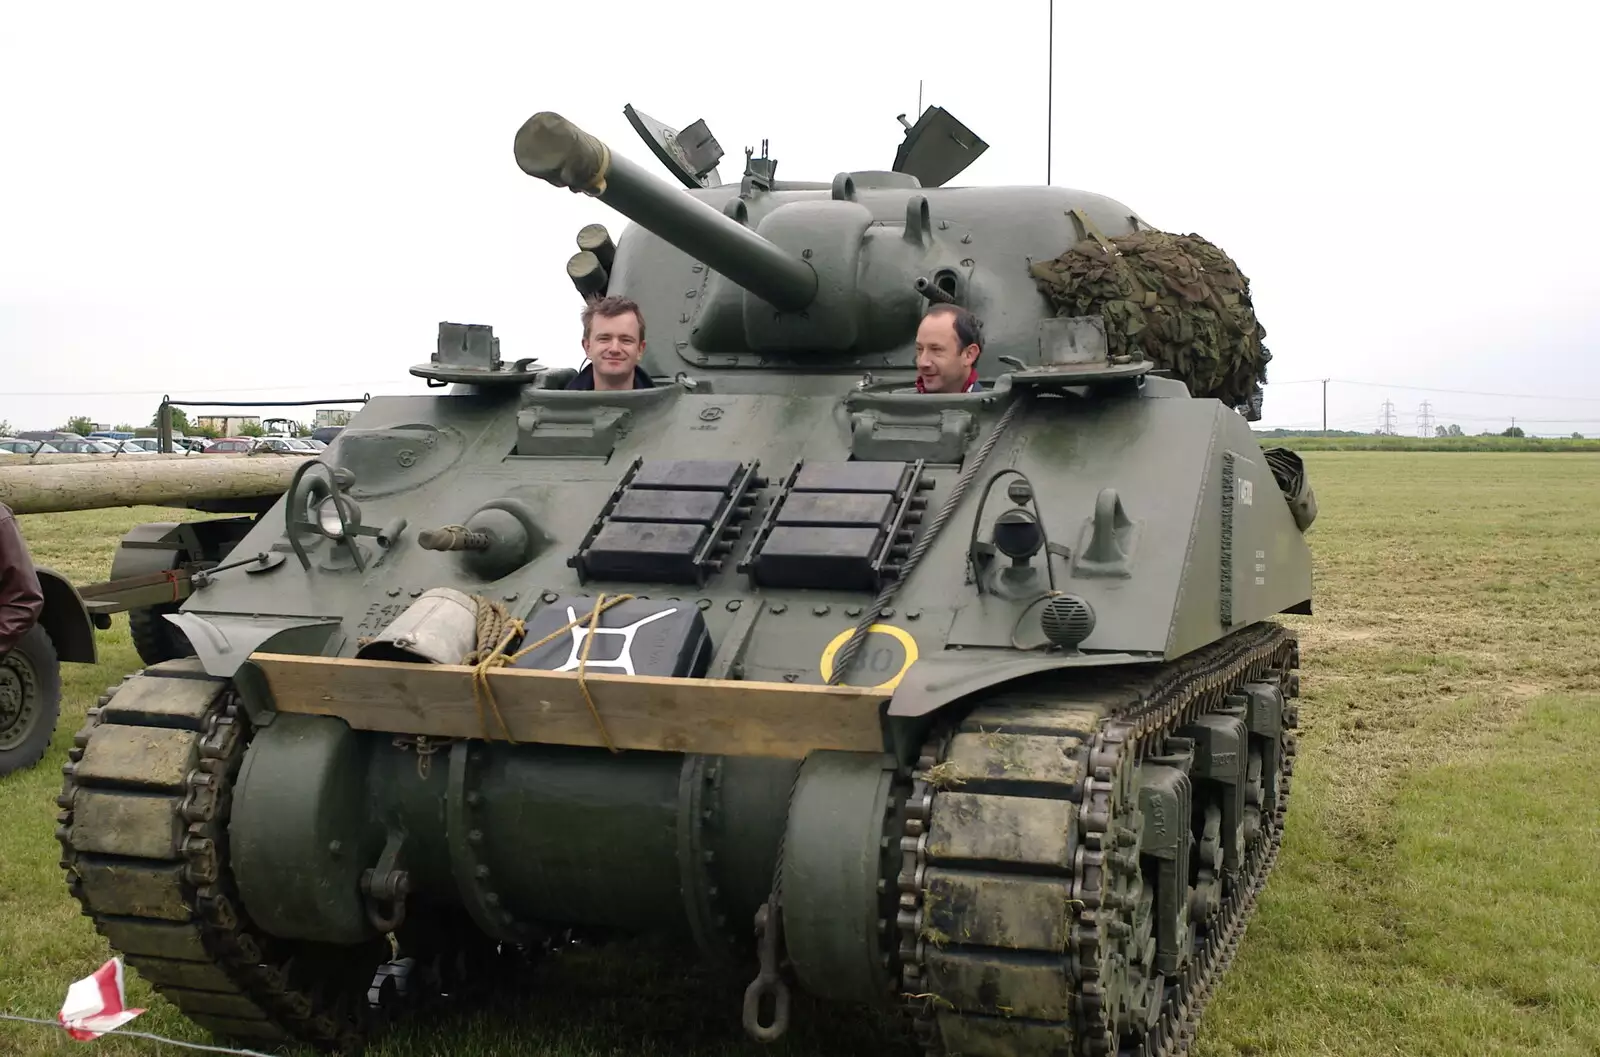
(21, 600)
(613, 340)
(949, 342)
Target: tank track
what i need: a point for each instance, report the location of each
(1055, 946)
(143, 828)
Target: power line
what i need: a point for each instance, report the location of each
(1500, 418)
(207, 389)
(1434, 389)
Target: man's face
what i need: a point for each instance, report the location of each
(614, 347)
(942, 364)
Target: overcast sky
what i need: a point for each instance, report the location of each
(221, 199)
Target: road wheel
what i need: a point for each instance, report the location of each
(30, 700)
(155, 637)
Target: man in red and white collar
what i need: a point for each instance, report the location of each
(949, 342)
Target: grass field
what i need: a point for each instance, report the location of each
(1377, 442)
(1439, 889)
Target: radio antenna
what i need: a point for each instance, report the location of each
(1049, 90)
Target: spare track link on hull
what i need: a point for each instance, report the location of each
(144, 835)
(1025, 911)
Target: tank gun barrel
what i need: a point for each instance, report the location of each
(555, 150)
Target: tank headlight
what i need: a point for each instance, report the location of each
(1017, 535)
(328, 517)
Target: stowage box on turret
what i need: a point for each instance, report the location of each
(967, 704)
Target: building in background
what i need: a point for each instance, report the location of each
(227, 425)
(326, 417)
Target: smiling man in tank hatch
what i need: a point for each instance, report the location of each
(949, 342)
(613, 340)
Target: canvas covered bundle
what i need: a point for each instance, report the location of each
(1177, 299)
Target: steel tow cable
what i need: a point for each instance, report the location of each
(847, 652)
(768, 921)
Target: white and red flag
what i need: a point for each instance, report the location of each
(97, 1003)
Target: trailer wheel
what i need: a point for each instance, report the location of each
(155, 637)
(30, 700)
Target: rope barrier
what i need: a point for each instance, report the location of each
(497, 629)
(141, 1035)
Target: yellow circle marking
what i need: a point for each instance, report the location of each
(900, 635)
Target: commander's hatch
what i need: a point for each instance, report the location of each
(691, 154)
(937, 147)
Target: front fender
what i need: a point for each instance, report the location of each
(66, 619)
(142, 557)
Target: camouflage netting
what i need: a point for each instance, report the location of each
(1178, 299)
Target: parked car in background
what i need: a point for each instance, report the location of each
(229, 446)
(326, 434)
(18, 446)
(285, 445)
(84, 446)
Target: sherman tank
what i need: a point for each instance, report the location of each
(971, 708)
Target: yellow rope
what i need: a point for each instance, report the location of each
(495, 624)
(583, 686)
(481, 689)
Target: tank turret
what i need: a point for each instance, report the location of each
(834, 273)
(768, 273)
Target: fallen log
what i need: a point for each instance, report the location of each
(99, 485)
(63, 458)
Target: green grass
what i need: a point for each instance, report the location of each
(1375, 442)
(1439, 889)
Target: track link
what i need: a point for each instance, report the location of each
(143, 829)
(1027, 894)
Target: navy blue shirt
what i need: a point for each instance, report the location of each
(584, 379)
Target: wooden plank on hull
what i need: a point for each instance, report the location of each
(714, 716)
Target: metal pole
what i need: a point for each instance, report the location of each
(164, 426)
(1049, 91)
(1324, 407)
(267, 403)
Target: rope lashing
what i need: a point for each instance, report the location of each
(498, 629)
